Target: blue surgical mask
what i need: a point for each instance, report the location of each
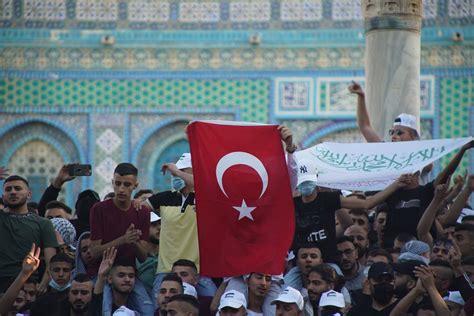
(58, 288)
(306, 188)
(177, 183)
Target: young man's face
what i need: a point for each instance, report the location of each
(30, 292)
(18, 303)
(155, 229)
(380, 222)
(286, 309)
(15, 194)
(402, 134)
(259, 284)
(308, 258)
(187, 274)
(348, 255)
(124, 186)
(317, 286)
(56, 212)
(359, 235)
(60, 272)
(465, 242)
(168, 289)
(440, 251)
(177, 308)
(85, 248)
(80, 295)
(122, 279)
(229, 311)
(360, 220)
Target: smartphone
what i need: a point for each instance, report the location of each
(78, 170)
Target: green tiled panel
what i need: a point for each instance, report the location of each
(250, 96)
(456, 100)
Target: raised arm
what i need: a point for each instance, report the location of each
(287, 137)
(52, 192)
(425, 275)
(363, 120)
(378, 198)
(453, 164)
(171, 167)
(454, 211)
(427, 220)
(407, 301)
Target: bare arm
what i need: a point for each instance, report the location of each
(455, 210)
(426, 221)
(345, 219)
(378, 198)
(453, 164)
(140, 250)
(30, 265)
(363, 120)
(217, 297)
(48, 254)
(407, 301)
(187, 177)
(108, 257)
(425, 275)
(286, 136)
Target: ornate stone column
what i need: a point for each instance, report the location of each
(392, 60)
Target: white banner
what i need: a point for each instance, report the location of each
(373, 166)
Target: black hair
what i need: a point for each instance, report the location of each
(455, 224)
(185, 298)
(174, 278)
(81, 278)
(109, 195)
(307, 245)
(405, 237)
(122, 262)
(467, 218)
(465, 227)
(58, 204)
(141, 192)
(185, 263)
(16, 178)
(380, 252)
(327, 273)
(61, 257)
(359, 212)
(342, 239)
(440, 263)
(1, 202)
(381, 208)
(125, 169)
(469, 261)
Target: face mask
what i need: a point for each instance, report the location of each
(58, 288)
(383, 293)
(306, 188)
(177, 183)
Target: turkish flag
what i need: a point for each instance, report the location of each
(244, 204)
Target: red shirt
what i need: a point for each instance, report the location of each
(108, 223)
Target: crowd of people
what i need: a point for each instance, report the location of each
(406, 250)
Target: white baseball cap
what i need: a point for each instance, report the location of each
(332, 298)
(124, 311)
(307, 171)
(233, 299)
(189, 290)
(154, 217)
(290, 295)
(406, 120)
(184, 161)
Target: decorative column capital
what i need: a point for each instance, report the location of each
(392, 14)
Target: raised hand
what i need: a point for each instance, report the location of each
(4, 173)
(171, 167)
(426, 276)
(286, 136)
(63, 176)
(108, 258)
(470, 182)
(31, 261)
(441, 191)
(356, 89)
(404, 180)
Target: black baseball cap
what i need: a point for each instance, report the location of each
(408, 267)
(379, 269)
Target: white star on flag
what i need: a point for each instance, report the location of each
(244, 210)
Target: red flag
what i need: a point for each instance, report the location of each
(244, 204)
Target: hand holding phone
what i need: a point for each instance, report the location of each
(80, 170)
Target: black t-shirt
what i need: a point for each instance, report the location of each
(365, 308)
(315, 223)
(405, 210)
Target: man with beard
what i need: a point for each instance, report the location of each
(322, 278)
(352, 270)
(169, 287)
(80, 295)
(404, 277)
(361, 240)
(19, 229)
(378, 298)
